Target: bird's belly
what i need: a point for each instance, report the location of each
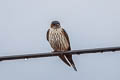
(59, 42)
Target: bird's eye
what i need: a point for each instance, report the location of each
(57, 24)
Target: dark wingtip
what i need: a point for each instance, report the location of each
(74, 67)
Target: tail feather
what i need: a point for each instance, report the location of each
(67, 59)
(62, 57)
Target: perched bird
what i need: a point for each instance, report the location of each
(59, 41)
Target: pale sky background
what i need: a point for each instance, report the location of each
(89, 24)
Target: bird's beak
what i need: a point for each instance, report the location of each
(57, 25)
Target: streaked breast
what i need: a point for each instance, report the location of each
(58, 40)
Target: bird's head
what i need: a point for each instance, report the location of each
(55, 24)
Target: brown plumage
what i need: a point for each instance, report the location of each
(59, 41)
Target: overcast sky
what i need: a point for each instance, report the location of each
(89, 24)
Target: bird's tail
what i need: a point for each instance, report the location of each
(67, 59)
(62, 57)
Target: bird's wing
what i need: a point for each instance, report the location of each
(47, 36)
(69, 57)
(66, 35)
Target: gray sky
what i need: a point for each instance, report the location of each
(89, 23)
